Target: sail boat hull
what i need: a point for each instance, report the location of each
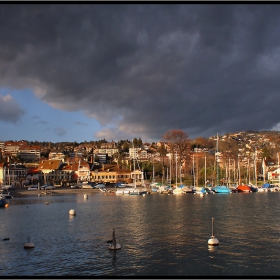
(221, 189)
(243, 188)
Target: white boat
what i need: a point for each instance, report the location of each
(119, 191)
(126, 190)
(188, 189)
(178, 190)
(5, 194)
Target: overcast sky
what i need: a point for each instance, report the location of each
(83, 72)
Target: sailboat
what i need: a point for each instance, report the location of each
(218, 188)
(134, 190)
(114, 245)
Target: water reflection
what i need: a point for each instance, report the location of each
(160, 235)
(212, 248)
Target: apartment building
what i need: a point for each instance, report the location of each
(133, 152)
(12, 148)
(107, 151)
(29, 152)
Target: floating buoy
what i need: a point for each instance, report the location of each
(114, 245)
(7, 205)
(72, 212)
(85, 196)
(47, 203)
(213, 241)
(29, 244)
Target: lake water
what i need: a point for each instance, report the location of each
(161, 235)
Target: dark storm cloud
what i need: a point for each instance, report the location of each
(10, 111)
(141, 70)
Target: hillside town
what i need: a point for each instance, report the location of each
(241, 157)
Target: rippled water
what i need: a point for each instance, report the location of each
(161, 235)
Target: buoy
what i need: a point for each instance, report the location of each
(85, 196)
(47, 203)
(72, 212)
(6, 205)
(114, 245)
(213, 240)
(29, 244)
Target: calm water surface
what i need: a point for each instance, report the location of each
(161, 235)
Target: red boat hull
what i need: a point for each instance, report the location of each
(243, 188)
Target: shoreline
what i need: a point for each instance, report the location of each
(24, 192)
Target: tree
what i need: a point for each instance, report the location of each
(179, 145)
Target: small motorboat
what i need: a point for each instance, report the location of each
(244, 188)
(221, 189)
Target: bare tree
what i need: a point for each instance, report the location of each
(179, 145)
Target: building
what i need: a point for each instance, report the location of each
(12, 148)
(133, 152)
(26, 152)
(56, 155)
(108, 151)
(110, 173)
(12, 174)
(109, 145)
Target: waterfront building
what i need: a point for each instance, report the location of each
(12, 174)
(111, 173)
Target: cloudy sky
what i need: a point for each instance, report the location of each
(83, 72)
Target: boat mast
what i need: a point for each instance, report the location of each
(217, 169)
(278, 168)
(255, 169)
(176, 169)
(239, 175)
(205, 171)
(170, 169)
(194, 183)
(134, 177)
(229, 172)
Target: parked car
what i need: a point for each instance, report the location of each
(120, 185)
(98, 186)
(87, 186)
(47, 187)
(33, 188)
(74, 187)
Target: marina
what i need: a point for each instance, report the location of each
(159, 235)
